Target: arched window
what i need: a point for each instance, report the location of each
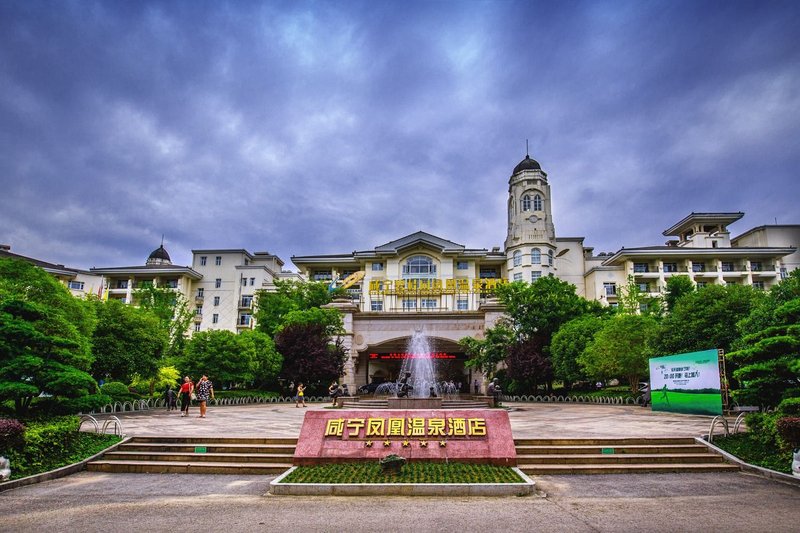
(517, 258)
(419, 266)
(537, 203)
(526, 203)
(550, 257)
(536, 256)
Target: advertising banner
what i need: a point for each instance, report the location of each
(686, 383)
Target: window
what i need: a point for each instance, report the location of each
(252, 281)
(756, 266)
(215, 318)
(429, 303)
(670, 267)
(758, 285)
(376, 305)
(550, 257)
(322, 275)
(641, 267)
(701, 284)
(218, 283)
(644, 287)
(517, 258)
(462, 265)
(216, 300)
(488, 273)
(75, 285)
(122, 284)
(643, 308)
(245, 319)
(197, 327)
(218, 260)
(244, 282)
(377, 267)
(203, 260)
(526, 203)
(200, 292)
(518, 276)
(171, 284)
(613, 304)
(537, 203)
(610, 289)
(198, 310)
(409, 303)
(698, 267)
(462, 304)
(784, 273)
(714, 244)
(419, 266)
(536, 256)
(247, 300)
(535, 274)
(727, 266)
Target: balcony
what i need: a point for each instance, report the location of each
(198, 300)
(198, 319)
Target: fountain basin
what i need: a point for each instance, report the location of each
(415, 403)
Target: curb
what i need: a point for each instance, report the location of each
(526, 488)
(752, 469)
(58, 472)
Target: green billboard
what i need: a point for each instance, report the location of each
(686, 383)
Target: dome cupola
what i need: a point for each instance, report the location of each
(159, 256)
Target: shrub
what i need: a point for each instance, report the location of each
(763, 428)
(50, 407)
(11, 434)
(789, 431)
(790, 407)
(117, 390)
(43, 441)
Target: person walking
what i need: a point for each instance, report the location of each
(172, 399)
(204, 389)
(477, 387)
(186, 390)
(300, 398)
(334, 391)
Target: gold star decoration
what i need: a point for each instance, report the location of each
(368, 444)
(387, 443)
(406, 444)
(423, 444)
(442, 444)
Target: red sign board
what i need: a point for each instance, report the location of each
(406, 355)
(474, 435)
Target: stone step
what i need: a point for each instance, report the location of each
(167, 467)
(210, 447)
(204, 439)
(605, 442)
(198, 457)
(618, 449)
(543, 470)
(621, 458)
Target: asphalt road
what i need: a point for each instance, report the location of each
(639, 502)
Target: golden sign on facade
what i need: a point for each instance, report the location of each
(357, 428)
(434, 287)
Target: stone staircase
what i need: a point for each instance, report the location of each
(616, 456)
(199, 455)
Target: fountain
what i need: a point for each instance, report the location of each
(417, 387)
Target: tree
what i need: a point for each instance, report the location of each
(620, 348)
(633, 301)
(677, 287)
(528, 365)
(44, 337)
(705, 319)
(127, 341)
(268, 362)
(308, 354)
(289, 295)
(226, 358)
(569, 343)
(485, 354)
(329, 319)
(172, 312)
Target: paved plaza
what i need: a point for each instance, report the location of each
(639, 502)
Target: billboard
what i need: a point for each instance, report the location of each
(686, 383)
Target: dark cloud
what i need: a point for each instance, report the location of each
(306, 127)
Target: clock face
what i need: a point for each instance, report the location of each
(533, 218)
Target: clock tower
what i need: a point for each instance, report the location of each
(531, 240)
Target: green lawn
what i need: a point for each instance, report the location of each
(416, 472)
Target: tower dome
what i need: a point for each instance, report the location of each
(527, 164)
(159, 256)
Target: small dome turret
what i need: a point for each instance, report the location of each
(527, 164)
(159, 256)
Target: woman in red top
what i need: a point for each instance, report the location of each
(186, 395)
